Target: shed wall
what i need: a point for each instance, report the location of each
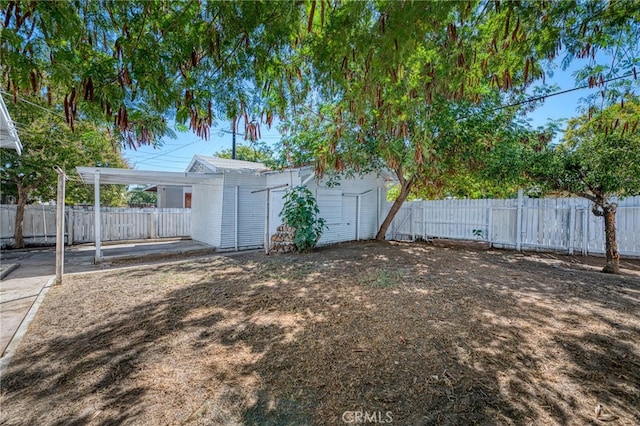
(347, 219)
(243, 217)
(206, 212)
(230, 214)
(276, 201)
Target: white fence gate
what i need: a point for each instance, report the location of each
(563, 224)
(116, 224)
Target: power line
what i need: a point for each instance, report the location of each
(519, 103)
(162, 154)
(562, 92)
(164, 166)
(50, 111)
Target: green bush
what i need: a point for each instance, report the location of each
(300, 211)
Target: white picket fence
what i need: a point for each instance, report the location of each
(557, 224)
(117, 224)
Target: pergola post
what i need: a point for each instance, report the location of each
(96, 217)
(62, 177)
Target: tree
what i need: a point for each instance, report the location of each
(132, 64)
(47, 141)
(409, 87)
(139, 197)
(444, 142)
(420, 88)
(599, 159)
(382, 72)
(257, 152)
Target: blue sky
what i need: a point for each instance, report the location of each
(175, 154)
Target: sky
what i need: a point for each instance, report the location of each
(175, 154)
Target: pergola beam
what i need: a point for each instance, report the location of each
(97, 176)
(148, 177)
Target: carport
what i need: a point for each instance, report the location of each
(97, 176)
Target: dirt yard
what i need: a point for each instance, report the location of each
(399, 333)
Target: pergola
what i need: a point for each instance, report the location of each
(8, 132)
(97, 176)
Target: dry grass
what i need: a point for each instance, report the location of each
(431, 335)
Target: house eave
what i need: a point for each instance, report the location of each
(8, 132)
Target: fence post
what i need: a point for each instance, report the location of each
(70, 226)
(151, 226)
(572, 228)
(490, 226)
(424, 221)
(97, 219)
(585, 231)
(235, 218)
(62, 177)
(413, 235)
(519, 220)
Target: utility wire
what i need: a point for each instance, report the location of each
(523, 102)
(50, 111)
(163, 153)
(562, 92)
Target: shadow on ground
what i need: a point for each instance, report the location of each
(407, 332)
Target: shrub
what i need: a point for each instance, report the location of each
(300, 211)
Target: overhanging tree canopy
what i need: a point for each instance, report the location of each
(48, 142)
(420, 87)
(374, 83)
(133, 63)
(136, 63)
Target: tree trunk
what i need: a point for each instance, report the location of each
(611, 246)
(405, 189)
(19, 229)
(608, 211)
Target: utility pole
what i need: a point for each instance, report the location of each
(233, 142)
(233, 137)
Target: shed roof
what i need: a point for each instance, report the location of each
(8, 132)
(218, 165)
(148, 177)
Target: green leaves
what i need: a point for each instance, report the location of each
(119, 60)
(301, 211)
(257, 60)
(48, 141)
(599, 156)
(258, 152)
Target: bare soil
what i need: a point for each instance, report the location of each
(408, 333)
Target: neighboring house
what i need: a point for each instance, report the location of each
(8, 139)
(242, 200)
(171, 196)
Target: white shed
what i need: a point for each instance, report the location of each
(236, 210)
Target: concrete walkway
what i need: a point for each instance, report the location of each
(28, 274)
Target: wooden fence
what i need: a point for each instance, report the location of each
(562, 224)
(117, 224)
(557, 224)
